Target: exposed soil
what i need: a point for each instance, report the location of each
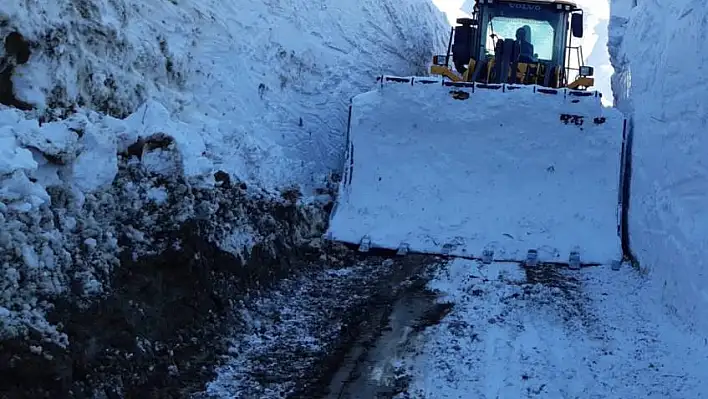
(169, 320)
(160, 328)
(303, 331)
(366, 327)
(158, 334)
(408, 311)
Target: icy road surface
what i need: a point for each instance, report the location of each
(499, 170)
(592, 333)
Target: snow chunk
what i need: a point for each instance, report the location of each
(153, 118)
(12, 155)
(21, 193)
(97, 164)
(29, 256)
(52, 139)
(158, 194)
(240, 242)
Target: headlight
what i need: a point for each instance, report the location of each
(586, 71)
(440, 60)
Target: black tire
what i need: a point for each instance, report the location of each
(460, 67)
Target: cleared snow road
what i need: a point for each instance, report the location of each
(554, 333)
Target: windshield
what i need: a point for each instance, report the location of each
(538, 29)
(539, 34)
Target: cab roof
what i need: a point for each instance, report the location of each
(573, 5)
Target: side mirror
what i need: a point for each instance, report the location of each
(466, 21)
(576, 25)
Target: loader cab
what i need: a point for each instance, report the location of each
(545, 27)
(531, 37)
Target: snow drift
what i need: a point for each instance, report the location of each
(658, 50)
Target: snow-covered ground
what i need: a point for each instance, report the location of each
(658, 51)
(551, 334)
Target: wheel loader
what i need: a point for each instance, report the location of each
(502, 154)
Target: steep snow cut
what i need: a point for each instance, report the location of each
(658, 51)
(172, 91)
(262, 86)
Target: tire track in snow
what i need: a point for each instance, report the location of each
(593, 333)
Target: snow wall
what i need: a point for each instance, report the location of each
(657, 50)
(257, 89)
(263, 86)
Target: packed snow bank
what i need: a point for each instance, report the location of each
(658, 49)
(261, 88)
(596, 16)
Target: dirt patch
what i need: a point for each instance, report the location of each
(158, 334)
(566, 289)
(366, 327)
(301, 332)
(148, 337)
(16, 46)
(366, 370)
(553, 276)
(382, 367)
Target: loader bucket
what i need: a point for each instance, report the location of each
(492, 172)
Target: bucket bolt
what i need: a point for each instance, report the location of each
(403, 249)
(446, 249)
(574, 260)
(487, 256)
(365, 244)
(531, 258)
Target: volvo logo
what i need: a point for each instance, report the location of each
(530, 7)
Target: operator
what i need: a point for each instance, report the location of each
(523, 41)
